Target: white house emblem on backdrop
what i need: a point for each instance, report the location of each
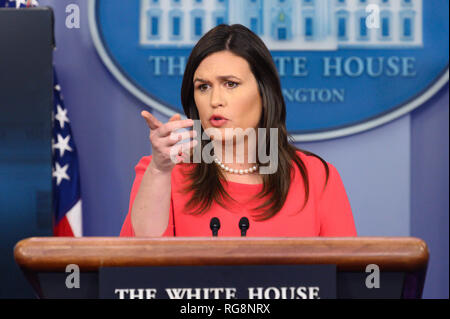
(345, 65)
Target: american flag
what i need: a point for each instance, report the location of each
(66, 176)
(67, 212)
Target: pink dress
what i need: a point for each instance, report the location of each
(327, 213)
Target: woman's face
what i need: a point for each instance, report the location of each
(224, 86)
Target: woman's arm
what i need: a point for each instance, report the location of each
(150, 208)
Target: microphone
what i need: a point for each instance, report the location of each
(214, 225)
(244, 224)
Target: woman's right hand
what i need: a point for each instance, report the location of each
(166, 153)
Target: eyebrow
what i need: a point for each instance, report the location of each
(221, 77)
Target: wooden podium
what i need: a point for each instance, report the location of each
(402, 260)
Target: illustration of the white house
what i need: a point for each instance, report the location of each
(287, 24)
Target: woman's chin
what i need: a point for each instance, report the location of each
(217, 133)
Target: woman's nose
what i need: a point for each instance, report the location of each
(217, 98)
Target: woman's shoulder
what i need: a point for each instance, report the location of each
(312, 161)
(318, 169)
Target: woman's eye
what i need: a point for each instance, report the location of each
(228, 84)
(231, 84)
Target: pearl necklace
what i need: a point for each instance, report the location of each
(235, 171)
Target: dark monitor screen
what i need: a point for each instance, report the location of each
(25, 136)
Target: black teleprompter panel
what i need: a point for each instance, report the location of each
(26, 83)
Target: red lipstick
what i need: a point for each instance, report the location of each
(217, 120)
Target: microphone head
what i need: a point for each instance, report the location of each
(215, 223)
(244, 223)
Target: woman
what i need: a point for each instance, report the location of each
(230, 84)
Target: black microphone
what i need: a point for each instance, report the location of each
(214, 225)
(244, 224)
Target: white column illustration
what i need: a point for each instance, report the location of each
(236, 11)
(404, 26)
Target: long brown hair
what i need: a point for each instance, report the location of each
(204, 178)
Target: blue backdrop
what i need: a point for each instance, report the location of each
(396, 175)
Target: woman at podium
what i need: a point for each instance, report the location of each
(235, 173)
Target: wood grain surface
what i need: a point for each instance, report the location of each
(350, 254)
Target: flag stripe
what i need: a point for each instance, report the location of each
(75, 220)
(63, 228)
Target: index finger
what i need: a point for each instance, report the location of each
(151, 120)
